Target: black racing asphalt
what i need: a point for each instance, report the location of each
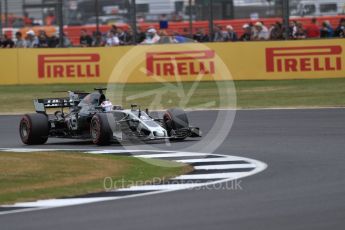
(302, 188)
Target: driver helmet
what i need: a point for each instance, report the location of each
(107, 106)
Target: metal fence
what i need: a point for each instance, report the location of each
(185, 17)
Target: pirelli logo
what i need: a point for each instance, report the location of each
(68, 66)
(184, 63)
(304, 59)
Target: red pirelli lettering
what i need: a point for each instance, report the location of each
(182, 63)
(309, 58)
(68, 65)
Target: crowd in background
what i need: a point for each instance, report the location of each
(31, 40)
(259, 31)
(117, 36)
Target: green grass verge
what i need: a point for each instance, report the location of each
(43, 175)
(240, 94)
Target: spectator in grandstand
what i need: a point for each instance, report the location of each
(112, 39)
(31, 39)
(131, 35)
(165, 38)
(201, 36)
(66, 41)
(340, 30)
(27, 20)
(98, 40)
(43, 39)
(113, 29)
(260, 32)
(85, 39)
(140, 35)
(342, 33)
(179, 38)
(186, 34)
(312, 29)
(163, 22)
(292, 29)
(151, 37)
(230, 34)
(20, 42)
(247, 33)
(6, 42)
(276, 31)
(218, 34)
(50, 19)
(300, 33)
(124, 37)
(53, 41)
(326, 30)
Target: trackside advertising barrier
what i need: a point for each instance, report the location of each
(9, 67)
(305, 59)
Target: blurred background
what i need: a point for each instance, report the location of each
(184, 17)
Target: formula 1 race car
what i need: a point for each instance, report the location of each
(91, 116)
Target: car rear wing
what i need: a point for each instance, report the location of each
(42, 104)
(66, 102)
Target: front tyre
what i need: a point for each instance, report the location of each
(34, 129)
(100, 130)
(176, 120)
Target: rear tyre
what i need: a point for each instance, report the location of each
(175, 119)
(34, 129)
(100, 130)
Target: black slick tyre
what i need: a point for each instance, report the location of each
(101, 133)
(34, 129)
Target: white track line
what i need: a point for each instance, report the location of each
(60, 202)
(232, 175)
(229, 166)
(176, 154)
(27, 150)
(157, 187)
(113, 151)
(200, 160)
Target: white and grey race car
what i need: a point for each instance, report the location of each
(88, 119)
